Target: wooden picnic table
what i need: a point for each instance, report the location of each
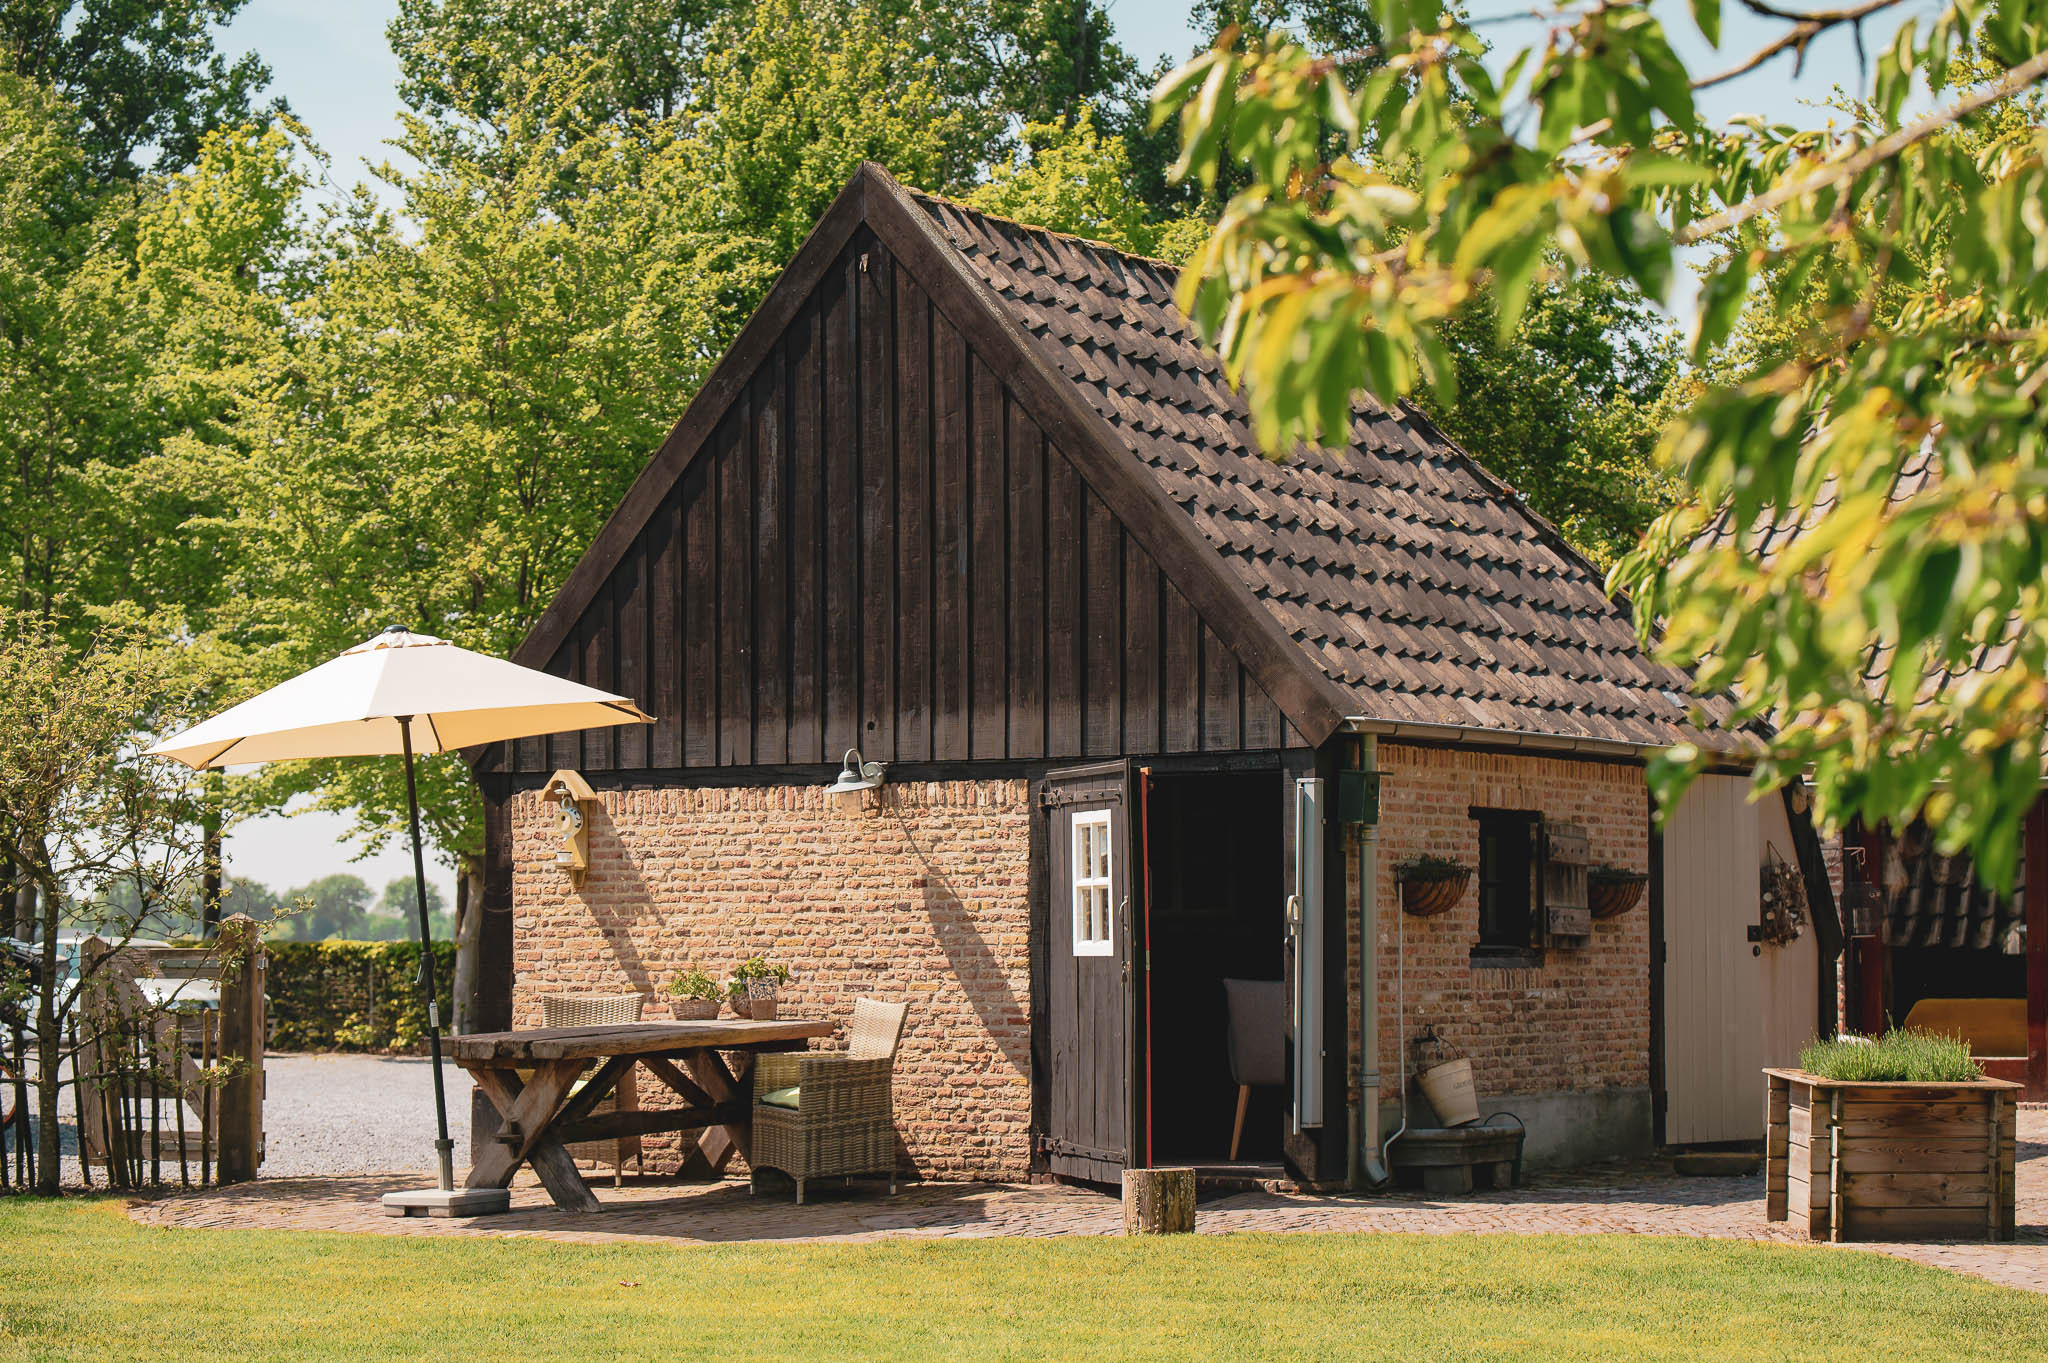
(528, 1076)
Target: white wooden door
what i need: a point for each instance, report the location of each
(1713, 978)
(1791, 973)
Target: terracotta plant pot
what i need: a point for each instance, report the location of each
(1613, 898)
(693, 1010)
(1422, 898)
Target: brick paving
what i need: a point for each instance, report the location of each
(1643, 1198)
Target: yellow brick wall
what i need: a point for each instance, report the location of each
(1581, 1021)
(923, 897)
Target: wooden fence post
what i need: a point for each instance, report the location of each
(240, 1130)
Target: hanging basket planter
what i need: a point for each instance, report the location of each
(1431, 885)
(1612, 892)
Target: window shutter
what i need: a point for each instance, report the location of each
(1562, 911)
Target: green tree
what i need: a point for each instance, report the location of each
(994, 62)
(1057, 60)
(251, 898)
(333, 907)
(1567, 407)
(1911, 245)
(66, 390)
(107, 839)
(1075, 179)
(143, 79)
(468, 58)
(465, 388)
(806, 94)
(397, 915)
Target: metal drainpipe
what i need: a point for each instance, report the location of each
(1368, 1169)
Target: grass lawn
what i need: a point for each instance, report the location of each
(79, 1281)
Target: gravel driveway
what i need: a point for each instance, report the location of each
(357, 1114)
(341, 1114)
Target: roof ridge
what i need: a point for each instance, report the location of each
(1092, 243)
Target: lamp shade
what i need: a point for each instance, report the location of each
(856, 775)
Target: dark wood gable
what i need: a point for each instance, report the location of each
(878, 546)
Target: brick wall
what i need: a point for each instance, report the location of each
(923, 897)
(1582, 1021)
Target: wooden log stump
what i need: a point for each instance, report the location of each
(1159, 1201)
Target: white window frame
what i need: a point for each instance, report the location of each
(1081, 886)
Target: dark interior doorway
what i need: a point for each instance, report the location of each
(1953, 973)
(1214, 865)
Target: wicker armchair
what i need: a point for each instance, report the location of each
(838, 1122)
(602, 1010)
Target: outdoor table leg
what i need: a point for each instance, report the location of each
(532, 1113)
(708, 1070)
(523, 1121)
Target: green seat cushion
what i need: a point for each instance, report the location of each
(783, 1097)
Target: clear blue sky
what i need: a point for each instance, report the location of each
(331, 62)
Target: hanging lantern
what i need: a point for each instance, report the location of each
(1859, 898)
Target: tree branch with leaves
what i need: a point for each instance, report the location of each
(1858, 553)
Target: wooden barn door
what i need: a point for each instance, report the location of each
(1713, 977)
(1088, 1008)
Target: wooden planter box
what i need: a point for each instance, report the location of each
(1858, 1161)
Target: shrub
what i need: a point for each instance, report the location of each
(694, 984)
(755, 970)
(1431, 868)
(1603, 874)
(1898, 1057)
(353, 996)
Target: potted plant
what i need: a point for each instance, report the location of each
(1612, 891)
(751, 990)
(694, 996)
(1431, 885)
(1900, 1138)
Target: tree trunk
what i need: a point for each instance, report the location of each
(1159, 1201)
(23, 904)
(49, 1053)
(469, 918)
(210, 864)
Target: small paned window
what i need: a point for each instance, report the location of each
(1094, 925)
(1507, 885)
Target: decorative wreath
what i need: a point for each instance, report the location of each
(1783, 911)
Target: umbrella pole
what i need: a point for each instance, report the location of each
(444, 1147)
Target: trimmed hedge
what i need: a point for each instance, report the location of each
(353, 996)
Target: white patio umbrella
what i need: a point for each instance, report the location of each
(397, 694)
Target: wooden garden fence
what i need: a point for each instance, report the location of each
(168, 1090)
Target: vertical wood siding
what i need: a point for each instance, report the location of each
(879, 547)
(1713, 981)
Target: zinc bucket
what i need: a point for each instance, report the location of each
(1450, 1092)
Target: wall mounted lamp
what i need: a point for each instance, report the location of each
(856, 776)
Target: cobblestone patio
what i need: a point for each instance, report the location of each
(1638, 1199)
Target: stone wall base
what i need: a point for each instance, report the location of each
(1565, 1129)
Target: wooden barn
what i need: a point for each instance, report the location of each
(1155, 713)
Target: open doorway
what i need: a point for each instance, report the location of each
(1214, 867)
(1956, 949)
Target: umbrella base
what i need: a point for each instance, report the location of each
(449, 1202)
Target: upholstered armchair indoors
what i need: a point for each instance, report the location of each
(822, 1114)
(1256, 1011)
